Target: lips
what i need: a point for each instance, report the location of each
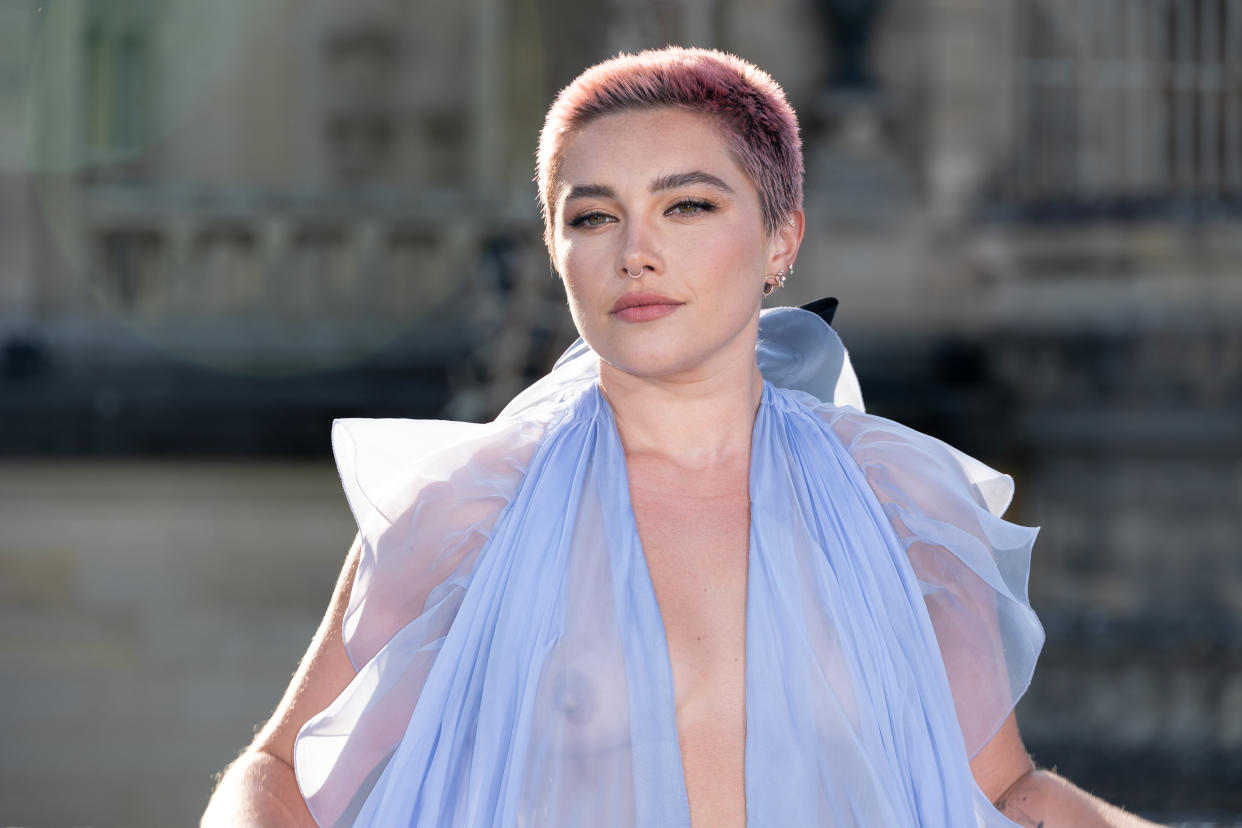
(642, 307)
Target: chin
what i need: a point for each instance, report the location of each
(669, 351)
(648, 369)
(654, 362)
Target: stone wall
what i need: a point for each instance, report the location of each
(150, 616)
(1130, 449)
(1126, 449)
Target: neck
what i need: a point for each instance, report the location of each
(696, 424)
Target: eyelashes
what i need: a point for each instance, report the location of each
(691, 206)
(593, 218)
(684, 207)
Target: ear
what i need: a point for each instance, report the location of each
(785, 241)
(549, 246)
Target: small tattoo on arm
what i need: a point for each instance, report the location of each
(1011, 805)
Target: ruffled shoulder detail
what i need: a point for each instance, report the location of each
(800, 351)
(972, 565)
(425, 495)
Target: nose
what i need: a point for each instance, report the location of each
(639, 254)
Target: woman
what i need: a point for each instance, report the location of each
(667, 586)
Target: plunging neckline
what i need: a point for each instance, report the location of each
(642, 573)
(531, 689)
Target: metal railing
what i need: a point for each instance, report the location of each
(1127, 102)
(172, 261)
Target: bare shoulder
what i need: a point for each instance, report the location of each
(323, 673)
(259, 788)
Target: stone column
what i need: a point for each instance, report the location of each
(486, 122)
(965, 61)
(970, 59)
(16, 256)
(59, 244)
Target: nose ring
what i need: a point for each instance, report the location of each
(634, 275)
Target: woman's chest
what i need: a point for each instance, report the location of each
(696, 549)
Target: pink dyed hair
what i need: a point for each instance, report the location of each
(759, 124)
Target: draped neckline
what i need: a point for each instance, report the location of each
(539, 667)
(647, 584)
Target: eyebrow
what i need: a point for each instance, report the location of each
(664, 182)
(672, 182)
(588, 191)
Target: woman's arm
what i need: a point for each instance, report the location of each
(1036, 798)
(259, 789)
(1041, 799)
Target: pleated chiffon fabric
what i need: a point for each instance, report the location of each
(512, 663)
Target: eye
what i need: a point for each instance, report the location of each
(691, 207)
(593, 218)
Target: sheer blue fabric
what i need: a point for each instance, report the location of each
(512, 663)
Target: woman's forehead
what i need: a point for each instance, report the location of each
(656, 144)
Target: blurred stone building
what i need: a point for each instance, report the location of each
(223, 224)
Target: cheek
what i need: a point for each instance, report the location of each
(737, 259)
(578, 292)
(573, 293)
(572, 258)
(579, 266)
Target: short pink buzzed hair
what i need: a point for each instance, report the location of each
(759, 124)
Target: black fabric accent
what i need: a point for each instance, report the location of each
(825, 308)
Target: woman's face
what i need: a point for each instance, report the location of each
(657, 192)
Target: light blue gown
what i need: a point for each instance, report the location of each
(512, 663)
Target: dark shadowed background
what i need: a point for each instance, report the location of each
(224, 224)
